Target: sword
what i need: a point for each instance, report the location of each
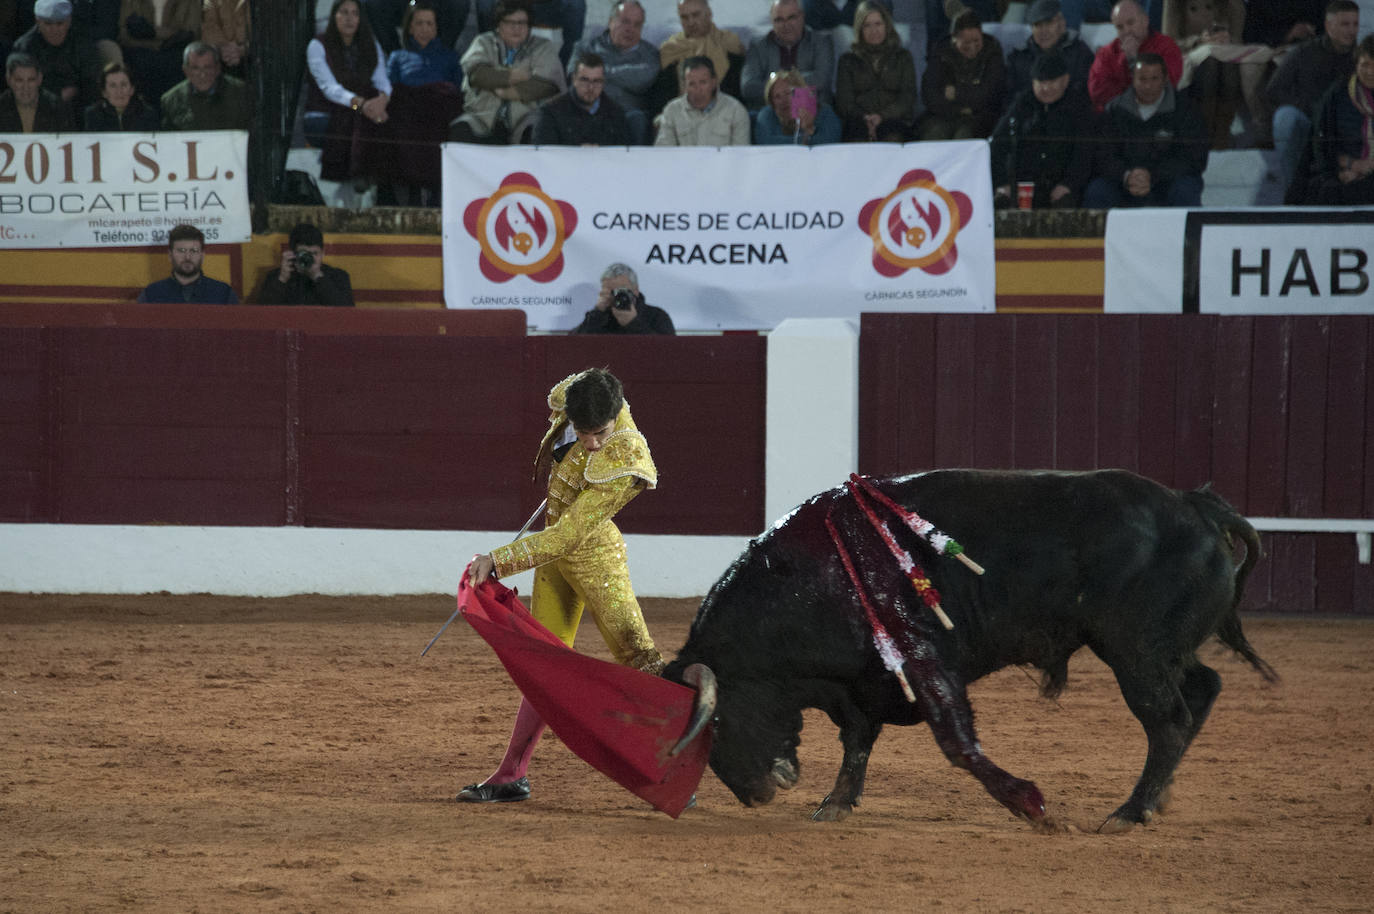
(523, 530)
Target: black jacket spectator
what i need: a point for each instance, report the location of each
(1076, 54)
(54, 116)
(333, 289)
(139, 117)
(1170, 144)
(979, 91)
(1048, 144)
(1306, 72)
(649, 319)
(564, 121)
(75, 62)
(1338, 131)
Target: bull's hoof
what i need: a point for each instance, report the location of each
(1121, 822)
(831, 811)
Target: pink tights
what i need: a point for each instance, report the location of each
(529, 726)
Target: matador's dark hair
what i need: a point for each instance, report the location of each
(594, 399)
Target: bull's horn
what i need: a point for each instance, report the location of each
(700, 677)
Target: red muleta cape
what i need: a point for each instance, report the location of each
(620, 721)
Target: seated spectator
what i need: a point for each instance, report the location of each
(875, 85)
(1154, 146)
(626, 312)
(1343, 137)
(1049, 34)
(1222, 75)
(567, 17)
(793, 115)
(26, 107)
(940, 16)
(508, 73)
(426, 83)
(789, 46)
(1303, 76)
(584, 115)
(451, 17)
(206, 99)
(965, 83)
(227, 25)
(1111, 71)
(69, 62)
(349, 84)
(631, 66)
(304, 277)
(120, 108)
(187, 284)
(703, 115)
(154, 36)
(700, 38)
(1046, 137)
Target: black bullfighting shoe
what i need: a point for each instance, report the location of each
(512, 792)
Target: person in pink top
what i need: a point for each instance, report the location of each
(1110, 74)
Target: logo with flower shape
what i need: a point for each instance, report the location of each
(520, 230)
(915, 226)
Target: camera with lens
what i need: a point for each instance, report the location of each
(305, 259)
(622, 299)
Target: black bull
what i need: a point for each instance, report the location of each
(1140, 574)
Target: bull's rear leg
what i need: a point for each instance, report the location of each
(1200, 688)
(944, 703)
(1171, 706)
(857, 735)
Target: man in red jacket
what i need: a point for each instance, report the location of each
(1111, 70)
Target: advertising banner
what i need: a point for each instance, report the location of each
(122, 189)
(731, 238)
(1297, 260)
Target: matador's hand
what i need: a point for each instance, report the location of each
(482, 567)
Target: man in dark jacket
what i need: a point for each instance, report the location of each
(1154, 146)
(1049, 34)
(584, 115)
(27, 107)
(1043, 138)
(69, 61)
(964, 84)
(188, 284)
(1302, 77)
(304, 277)
(621, 308)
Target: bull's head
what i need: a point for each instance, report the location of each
(752, 754)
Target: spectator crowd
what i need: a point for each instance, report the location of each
(1130, 123)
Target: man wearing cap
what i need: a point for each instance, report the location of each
(1044, 139)
(1111, 72)
(1049, 32)
(69, 62)
(1154, 145)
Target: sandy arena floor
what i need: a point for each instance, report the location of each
(172, 753)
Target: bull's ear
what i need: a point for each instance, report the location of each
(700, 677)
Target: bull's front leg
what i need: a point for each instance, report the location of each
(943, 700)
(857, 735)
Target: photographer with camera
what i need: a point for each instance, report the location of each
(304, 277)
(621, 308)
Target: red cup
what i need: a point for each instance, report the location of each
(1025, 193)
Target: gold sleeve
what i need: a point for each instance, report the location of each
(595, 505)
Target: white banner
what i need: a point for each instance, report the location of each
(122, 189)
(1296, 260)
(733, 238)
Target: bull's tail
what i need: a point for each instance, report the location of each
(1234, 527)
(1215, 508)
